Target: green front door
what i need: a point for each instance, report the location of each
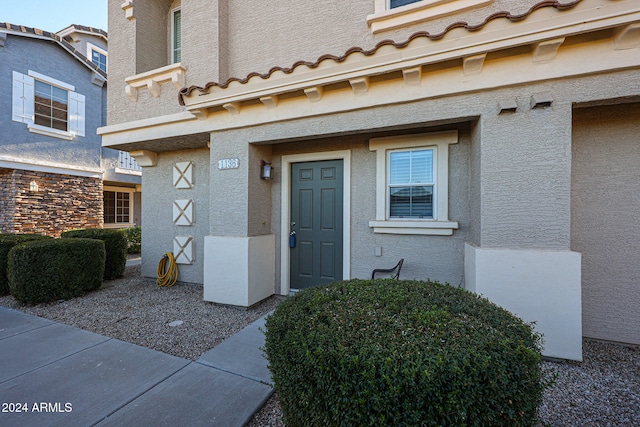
(316, 223)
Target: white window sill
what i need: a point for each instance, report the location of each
(126, 171)
(422, 227)
(119, 225)
(174, 73)
(388, 19)
(50, 132)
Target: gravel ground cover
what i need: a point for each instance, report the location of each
(603, 390)
(135, 310)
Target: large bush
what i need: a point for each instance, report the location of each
(7, 241)
(402, 353)
(115, 244)
(47, 270)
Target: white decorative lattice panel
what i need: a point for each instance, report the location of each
(183, 175)
(183, 212)
(183, 250)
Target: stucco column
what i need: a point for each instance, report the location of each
(521, 256)
(240, 251)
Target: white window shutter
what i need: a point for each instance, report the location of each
(23, 98)
(76, 113)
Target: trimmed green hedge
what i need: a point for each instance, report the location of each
(402, 353)
(46, 270)
(7, 241)
(115, 244)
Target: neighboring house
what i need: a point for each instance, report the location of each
(54, 173)
(492, 144)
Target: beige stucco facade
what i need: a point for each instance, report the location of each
(506, 101)
(605, 225)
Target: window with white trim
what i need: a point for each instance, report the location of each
(176, 36)
(412, 184)
(51, 106)
(398, 3)
(47, 106)
(392, 14)
(118, 207)
(98, 56)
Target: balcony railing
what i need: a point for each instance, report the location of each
(125, 161)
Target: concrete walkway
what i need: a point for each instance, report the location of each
(53, 374)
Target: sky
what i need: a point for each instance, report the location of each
(54, 15)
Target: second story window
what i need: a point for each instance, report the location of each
(393, 14)
(99, 59)
(47, 106)
(51, 106)
(98, 56)
(176, 29)
(398, 3)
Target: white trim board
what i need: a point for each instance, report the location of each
(285, 211)
(10, 163)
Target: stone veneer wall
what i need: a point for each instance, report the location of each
(62, 202)
(7, 201)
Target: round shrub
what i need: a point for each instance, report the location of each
(402, 353)
(115, 243)
(46, 270)
(7, 241)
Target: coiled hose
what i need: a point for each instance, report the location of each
(171, 276)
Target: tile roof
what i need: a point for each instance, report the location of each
(186, 91)
(21, 30)
(83, 29)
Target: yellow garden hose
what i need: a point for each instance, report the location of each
(171, 276)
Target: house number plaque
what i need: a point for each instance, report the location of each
(228, 164)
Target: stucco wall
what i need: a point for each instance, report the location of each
(229, 187)
(281, 34)
(232, 39)
(142, 44)
(525, 182)
(150, 35)
(136, 46)
(205, 36)
(122, 63)
(475, 185)
(511, 165)
(605, 199)
(158, 228)
(435, 257)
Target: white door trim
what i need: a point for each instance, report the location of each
(285, 209)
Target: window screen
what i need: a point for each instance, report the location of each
(411, 182)
(99, 59)
(177, 38)
(51, 106)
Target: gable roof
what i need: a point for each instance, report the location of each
(75, 28)
(36, 33)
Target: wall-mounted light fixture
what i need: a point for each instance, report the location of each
(33, 186)
(265, 170)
